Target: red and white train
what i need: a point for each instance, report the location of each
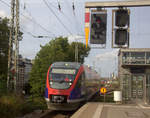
(69, 84)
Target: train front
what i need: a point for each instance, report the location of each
(60, 93)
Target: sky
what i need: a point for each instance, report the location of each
(103, 60)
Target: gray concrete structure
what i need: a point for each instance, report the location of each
(134, 74)
(104, 110)
(28, 67)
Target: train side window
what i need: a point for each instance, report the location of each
(79, 81)
(83, 76)
(83, 79)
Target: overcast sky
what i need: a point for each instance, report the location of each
(104, 60)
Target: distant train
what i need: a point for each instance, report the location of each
(69, 84)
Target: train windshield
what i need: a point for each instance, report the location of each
(61, 78)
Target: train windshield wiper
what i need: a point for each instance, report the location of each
(61, 81)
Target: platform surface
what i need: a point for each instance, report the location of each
(105, 110)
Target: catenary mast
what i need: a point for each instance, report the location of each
(13, 52)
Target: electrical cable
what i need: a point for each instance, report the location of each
(29, 33)
(73, 8)
(34, 21)
(69, 20)
(57, 17)
(76, 22)
(5, 3)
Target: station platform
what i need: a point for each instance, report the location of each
(106, 110)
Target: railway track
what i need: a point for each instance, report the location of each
(49, 114)
(58, 114)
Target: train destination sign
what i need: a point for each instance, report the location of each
(103, 90)
(64, 71)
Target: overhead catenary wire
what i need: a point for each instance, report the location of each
(59, 8)
(75, 24)
(78, 22)
(34, 21)
(57, 16)
(71, 7)
(34, 36)
(68, 19)
(5, 3)
(27, 32)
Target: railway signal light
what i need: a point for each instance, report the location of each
(121, 27)
(121, 36)
(98, 27)
(122, 18)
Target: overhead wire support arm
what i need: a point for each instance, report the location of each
(34, 36)
(42, 37)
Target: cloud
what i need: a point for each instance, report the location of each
(108, 55)
(3, 14)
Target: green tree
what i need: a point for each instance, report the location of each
(4, 39)
(56, 50)
(4, 46)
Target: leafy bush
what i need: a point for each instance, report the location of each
(12, 106)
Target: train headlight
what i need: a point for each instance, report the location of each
(70, 84)
(51, 82)
(66, 64)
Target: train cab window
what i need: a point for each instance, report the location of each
(61, 78)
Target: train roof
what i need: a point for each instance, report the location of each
(67, 65)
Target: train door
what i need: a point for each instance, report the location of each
(137, 89)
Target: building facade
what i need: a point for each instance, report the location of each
(25, 66)
(134, 74)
